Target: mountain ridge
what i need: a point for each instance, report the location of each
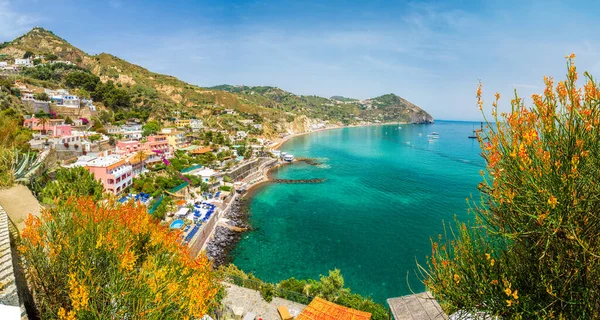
(166, 94)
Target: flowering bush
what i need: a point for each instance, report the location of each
(533, 250)
(113, 262)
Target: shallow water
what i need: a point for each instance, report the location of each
(387, 192)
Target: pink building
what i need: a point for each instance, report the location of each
(114, 173)
(158, 142)
(53, 127)
(127, 147)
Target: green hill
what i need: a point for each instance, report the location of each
(162, 96)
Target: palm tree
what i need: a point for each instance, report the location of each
(141, 157)
(43, 122)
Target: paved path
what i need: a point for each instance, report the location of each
(19, 202)
(251, 301)
(421, 306)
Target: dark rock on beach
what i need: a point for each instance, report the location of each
(225, 239)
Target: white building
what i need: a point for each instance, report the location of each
(3, 64)
(132, 131)
(196, 124)
(241, 134)
(23, 62)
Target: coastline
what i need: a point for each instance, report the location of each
(282, 141)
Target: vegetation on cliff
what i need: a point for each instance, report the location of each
(161, 96)
(533, 249)
(91, 261)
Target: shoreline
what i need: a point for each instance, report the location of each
(279, 144)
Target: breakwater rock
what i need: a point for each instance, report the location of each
(309, 161)
(225, 238)
(316, 180)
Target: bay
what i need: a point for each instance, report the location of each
(388, 191)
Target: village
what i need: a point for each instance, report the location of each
(186, 174)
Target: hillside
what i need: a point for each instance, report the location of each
(161, 96)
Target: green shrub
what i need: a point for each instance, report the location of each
(533, 250)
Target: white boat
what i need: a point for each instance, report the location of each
(408, 142)
(434, 134)
(288, 157)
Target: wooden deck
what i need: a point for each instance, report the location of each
(421, 306)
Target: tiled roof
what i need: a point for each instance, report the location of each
(320, 309)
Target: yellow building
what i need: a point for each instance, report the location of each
(175, 138)
(181, 123)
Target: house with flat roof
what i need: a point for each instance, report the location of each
(157, 143)
(113, 171)
(128, 147)
(51, 127)
(175, 137)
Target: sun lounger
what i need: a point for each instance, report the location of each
(284, 313)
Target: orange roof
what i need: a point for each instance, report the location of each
(202, 150)
(320, 309)
(181, 202)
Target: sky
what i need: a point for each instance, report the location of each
(432, 53)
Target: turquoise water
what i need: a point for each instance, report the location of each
(373, 217)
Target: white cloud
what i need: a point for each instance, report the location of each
(14, 22)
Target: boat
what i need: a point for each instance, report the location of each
(475, 132)
(420, 134)
(288, 157)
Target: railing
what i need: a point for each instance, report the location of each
(260, 286)
(179, 187)
(156, 204)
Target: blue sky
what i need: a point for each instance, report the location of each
(431, 53)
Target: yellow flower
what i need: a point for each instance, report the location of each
(494, 282)
(515, 295)
(78, 294)
(456, 278)
(508, 291)
(99, 241)
(492, 262)
(509, 302)
(552, 201)
(128, 260)
(487, 256)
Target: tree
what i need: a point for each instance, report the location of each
(533, 250)
(51, 57)
(37, 62)
(88, 260)
(95, 137)
(42, 96)
(43, 123)
(70, 182)
(150, 128)
(27, 54)
(83, 80)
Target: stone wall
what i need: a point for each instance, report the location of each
(83, 112)
(242, 171)
(10, 304)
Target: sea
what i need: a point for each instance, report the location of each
(388, 191)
